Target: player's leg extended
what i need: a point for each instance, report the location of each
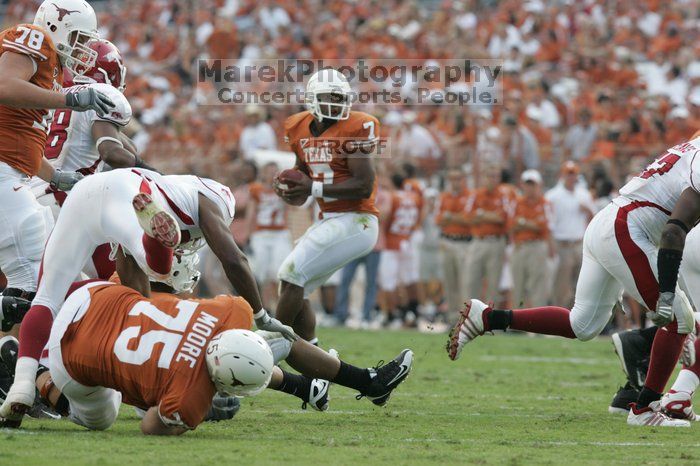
(324, 248)
(597, 291)
(314, 363)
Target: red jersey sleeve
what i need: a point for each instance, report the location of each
(28, 39)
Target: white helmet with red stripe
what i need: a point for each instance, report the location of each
(70, 24)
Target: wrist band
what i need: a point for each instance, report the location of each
(107, 138)
(261, 313)
(679, 224)
(317, 189)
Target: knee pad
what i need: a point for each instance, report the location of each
(280, 346)
(32, 234)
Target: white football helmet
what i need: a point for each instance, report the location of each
(70, 24)
(240, 362)
(336, 89)
(184, 272)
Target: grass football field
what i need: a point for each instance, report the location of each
(508, 400)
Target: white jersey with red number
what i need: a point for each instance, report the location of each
(662, 183)
(70, 145)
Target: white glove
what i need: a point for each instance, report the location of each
(64, 181)
(89, 99)
(267, 323)
(664, 309)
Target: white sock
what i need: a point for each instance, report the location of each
(25, 372)
(686, 381)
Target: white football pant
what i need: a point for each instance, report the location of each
(605, 273)
(25, 227)
(327, 246)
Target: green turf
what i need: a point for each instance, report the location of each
(509, 400)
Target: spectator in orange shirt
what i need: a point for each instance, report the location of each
(529, 227)
(455, 236)
(487, 214)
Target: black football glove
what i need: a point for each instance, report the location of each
(12, 311)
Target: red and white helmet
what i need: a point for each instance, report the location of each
(70, 24)
(109, 66)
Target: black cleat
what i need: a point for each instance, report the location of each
(385, 378)
(622, 399)
(13, 311)
(318, 395)
(8, 360)
(633, 350)
(9, 348)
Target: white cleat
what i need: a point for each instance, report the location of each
(469, 326)
(679, 405)
(18, 402)
(652, 416)
(156, 222)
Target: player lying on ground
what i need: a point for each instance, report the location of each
(639, 233)
(147, 215)
(32, 59)
(342, 183)
(169, 356)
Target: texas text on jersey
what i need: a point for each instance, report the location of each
(151, 350)
(23, 130)
(325, 157)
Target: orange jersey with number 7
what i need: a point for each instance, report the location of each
(151, 350)
(325, 158)
(23, 131)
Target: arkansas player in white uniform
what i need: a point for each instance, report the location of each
(638, 237)
(147, 215)
(80, 142)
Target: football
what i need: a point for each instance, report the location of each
(290, 176)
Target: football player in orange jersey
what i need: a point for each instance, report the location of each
(175, 382)
(396, 266)
(333, 146)
(31, 60)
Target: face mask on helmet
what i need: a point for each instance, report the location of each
(184, 273)
(239, 362)
(70, 24)
(328, 95)
(109, 67)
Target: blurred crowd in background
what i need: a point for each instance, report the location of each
(593, 90)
